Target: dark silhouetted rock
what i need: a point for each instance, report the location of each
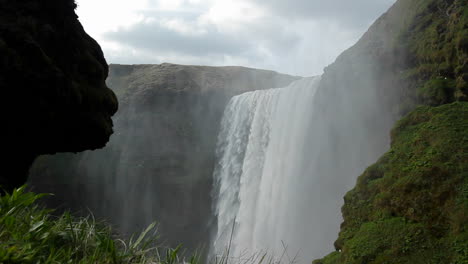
(52, 77)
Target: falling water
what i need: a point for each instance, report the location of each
(286, 157)
(260, 150)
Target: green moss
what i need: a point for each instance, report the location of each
(437, 91)
(381, 241)
(332, 258)
(412, 205)
(435, 40)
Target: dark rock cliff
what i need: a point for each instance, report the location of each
(52, 76)
(159, 163)
(410, 207)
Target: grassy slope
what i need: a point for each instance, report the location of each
(412, 205)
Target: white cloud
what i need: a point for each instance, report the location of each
(169, 4)
(293, 36)
(227, 13)
(107, 15)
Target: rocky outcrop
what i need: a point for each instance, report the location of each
(415, 54)
(159, 163)
(52, 76)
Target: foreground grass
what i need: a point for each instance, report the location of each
(30, 234)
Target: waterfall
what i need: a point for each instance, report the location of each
(260, 151)
(285, 159)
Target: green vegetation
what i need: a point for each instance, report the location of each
(412, 205)
(434, 41)
(30, 234)
(332, 258)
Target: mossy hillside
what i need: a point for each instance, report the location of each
(412, 205)
(435, 43)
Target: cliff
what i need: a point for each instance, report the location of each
(410, 207)
(416, 52)
(159, 163)
(52, 76)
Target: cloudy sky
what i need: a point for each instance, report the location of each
(298, 37)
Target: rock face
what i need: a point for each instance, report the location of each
(159, 163)
(52, 75)
(415, 54)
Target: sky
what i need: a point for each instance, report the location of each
(298, 37)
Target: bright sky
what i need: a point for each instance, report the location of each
(298, 37)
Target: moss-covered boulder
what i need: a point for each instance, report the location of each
(412, 205)
(52, 78)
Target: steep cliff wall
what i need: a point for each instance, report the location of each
(159, 163)
(410, 206)
(52, 77)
